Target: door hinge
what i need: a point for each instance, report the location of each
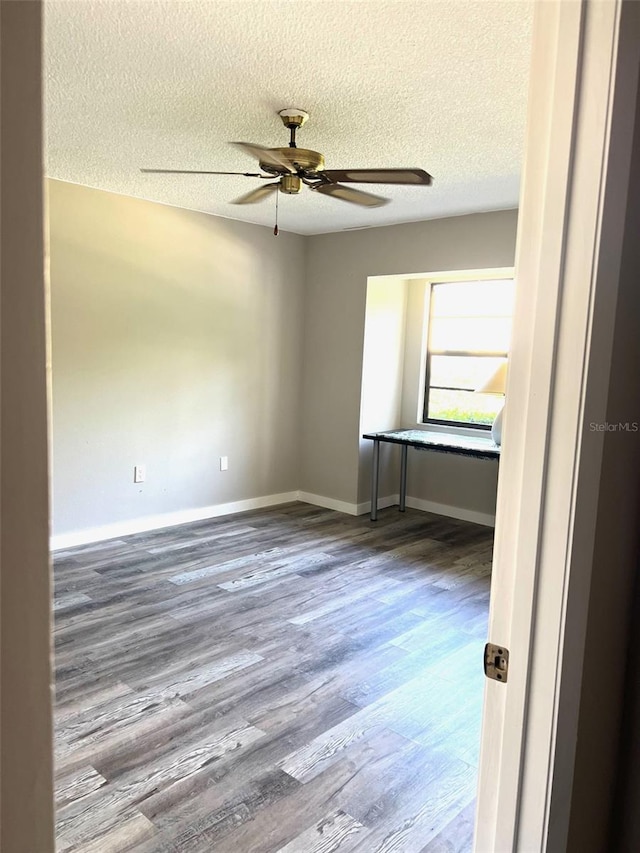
(496, 662)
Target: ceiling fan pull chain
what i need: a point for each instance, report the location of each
(275, 230)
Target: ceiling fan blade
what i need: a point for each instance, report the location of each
(199, 172)
(349, 194)
(266, 155)
(379, 176)
(258, 194)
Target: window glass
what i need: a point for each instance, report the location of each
(470, 334)
(468, 340)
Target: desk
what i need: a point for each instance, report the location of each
(480, 447)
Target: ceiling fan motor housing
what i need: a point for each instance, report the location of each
(301, 159)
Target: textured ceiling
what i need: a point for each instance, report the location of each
(436, 84)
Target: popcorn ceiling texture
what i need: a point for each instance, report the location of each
(438, 84)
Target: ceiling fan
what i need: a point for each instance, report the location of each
(287, 169)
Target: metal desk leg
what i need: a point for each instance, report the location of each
(403, 478)
(375, 465)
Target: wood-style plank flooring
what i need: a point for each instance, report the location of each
(292, 680)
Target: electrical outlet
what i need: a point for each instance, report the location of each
(224, 463)
(139, 473)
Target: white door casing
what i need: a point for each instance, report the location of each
(580, 126)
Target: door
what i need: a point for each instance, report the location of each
(573, 202)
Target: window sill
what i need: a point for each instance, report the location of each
(449, 429)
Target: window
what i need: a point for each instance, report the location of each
(468, 339)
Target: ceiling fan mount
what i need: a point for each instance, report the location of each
(294, 167)
(293, 117)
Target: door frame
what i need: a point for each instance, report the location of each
(571, 222)
(582, 100)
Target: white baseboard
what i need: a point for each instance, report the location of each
(452, 511)
(383, 503)
(169, 519)
(327, 503)
(344, 506)
(165, 519)
(431, 506)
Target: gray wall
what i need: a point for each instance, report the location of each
(176, 340)
(180, 337)
(383, 369)
(334, 462)
(26, 807)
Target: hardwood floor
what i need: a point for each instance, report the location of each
(290, 680)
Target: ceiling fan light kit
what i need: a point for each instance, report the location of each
(290, 168)
(290, 184)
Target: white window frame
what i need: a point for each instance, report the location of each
(417, 380)
(450, 278)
